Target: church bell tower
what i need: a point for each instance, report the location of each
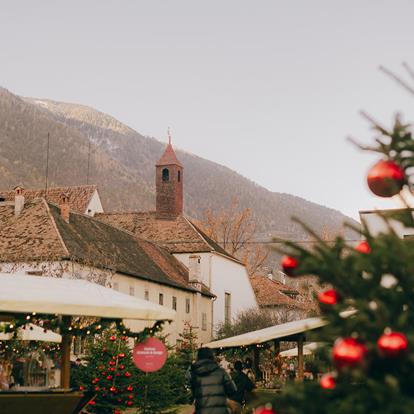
(169, 185)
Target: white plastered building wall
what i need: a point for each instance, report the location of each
(376, 224)
(222, 276)
(190, 306)
(95, 205)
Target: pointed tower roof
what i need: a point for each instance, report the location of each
(169, 157)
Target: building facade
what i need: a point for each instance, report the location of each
(210, 265)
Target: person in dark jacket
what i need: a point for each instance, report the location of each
(243, 383)
(211, 386)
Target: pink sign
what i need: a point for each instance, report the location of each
(150, 355)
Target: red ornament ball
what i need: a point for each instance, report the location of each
(129, 403)
(348, 352)
(112, 338)
(385, 178)
(329, 297)
(289, 265)
(363, 247)
(109, 377)
(130, 388)
(117, 412)
(127, 374)
(393, 344)
(121, 355)
(131, 396)
(264, 410)
(121, 366)
(112, 389)
(112, 363)
(81, 388)
(328, 382)
(92, 402)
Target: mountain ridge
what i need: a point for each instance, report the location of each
(122, 165)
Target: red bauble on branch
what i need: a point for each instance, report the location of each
(386, 178)
(329, 297)
(363, 247)
(328, 382)
(393, 344)
(264, 411)
(348, 352)
(289, 265)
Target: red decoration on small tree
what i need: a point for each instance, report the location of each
(393, 344)
(328, 382)
(348, 352)
(386, 178)
(127, 374)
(329, 297)
(112, 338)
(289, 265)
(264, 410)
(363, 247)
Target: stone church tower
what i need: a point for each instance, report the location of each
(169, 185)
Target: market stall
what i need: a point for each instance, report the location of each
(63, 301)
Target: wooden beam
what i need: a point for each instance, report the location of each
(65, 355)
(300, 358)
(256, 362)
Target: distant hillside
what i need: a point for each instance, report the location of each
(122, 165)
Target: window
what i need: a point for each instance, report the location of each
(203, 321)
(116, 286)
(131, 291)
(187, 305)
(161, 299)
(179, 176)
(174, 303)
(165, 174)
(227, 308)
(146, 295)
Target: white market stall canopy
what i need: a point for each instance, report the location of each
(268, 334)
(32, 333)
(77, 297)
(308, 349)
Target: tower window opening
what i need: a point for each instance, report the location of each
(179, 176)
(165, 174)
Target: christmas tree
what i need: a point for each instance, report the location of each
(110, 374)
(369, 303)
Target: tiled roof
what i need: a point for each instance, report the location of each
(178, 235)
(270, 293)
(169, 157)
(39, 233)
(79, 196)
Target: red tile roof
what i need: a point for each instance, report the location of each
(39, 233)
(178, 235)
(270, 292)
(169, 157)
(79, 196)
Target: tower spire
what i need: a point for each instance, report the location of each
(169, 135)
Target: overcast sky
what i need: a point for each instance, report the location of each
(270, 89)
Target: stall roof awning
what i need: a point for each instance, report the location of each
(32, 332)
(308, 349)
(77, 297)
(268, 334)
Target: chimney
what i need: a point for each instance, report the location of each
(64, 207)
(18, 200)
(194, 272)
